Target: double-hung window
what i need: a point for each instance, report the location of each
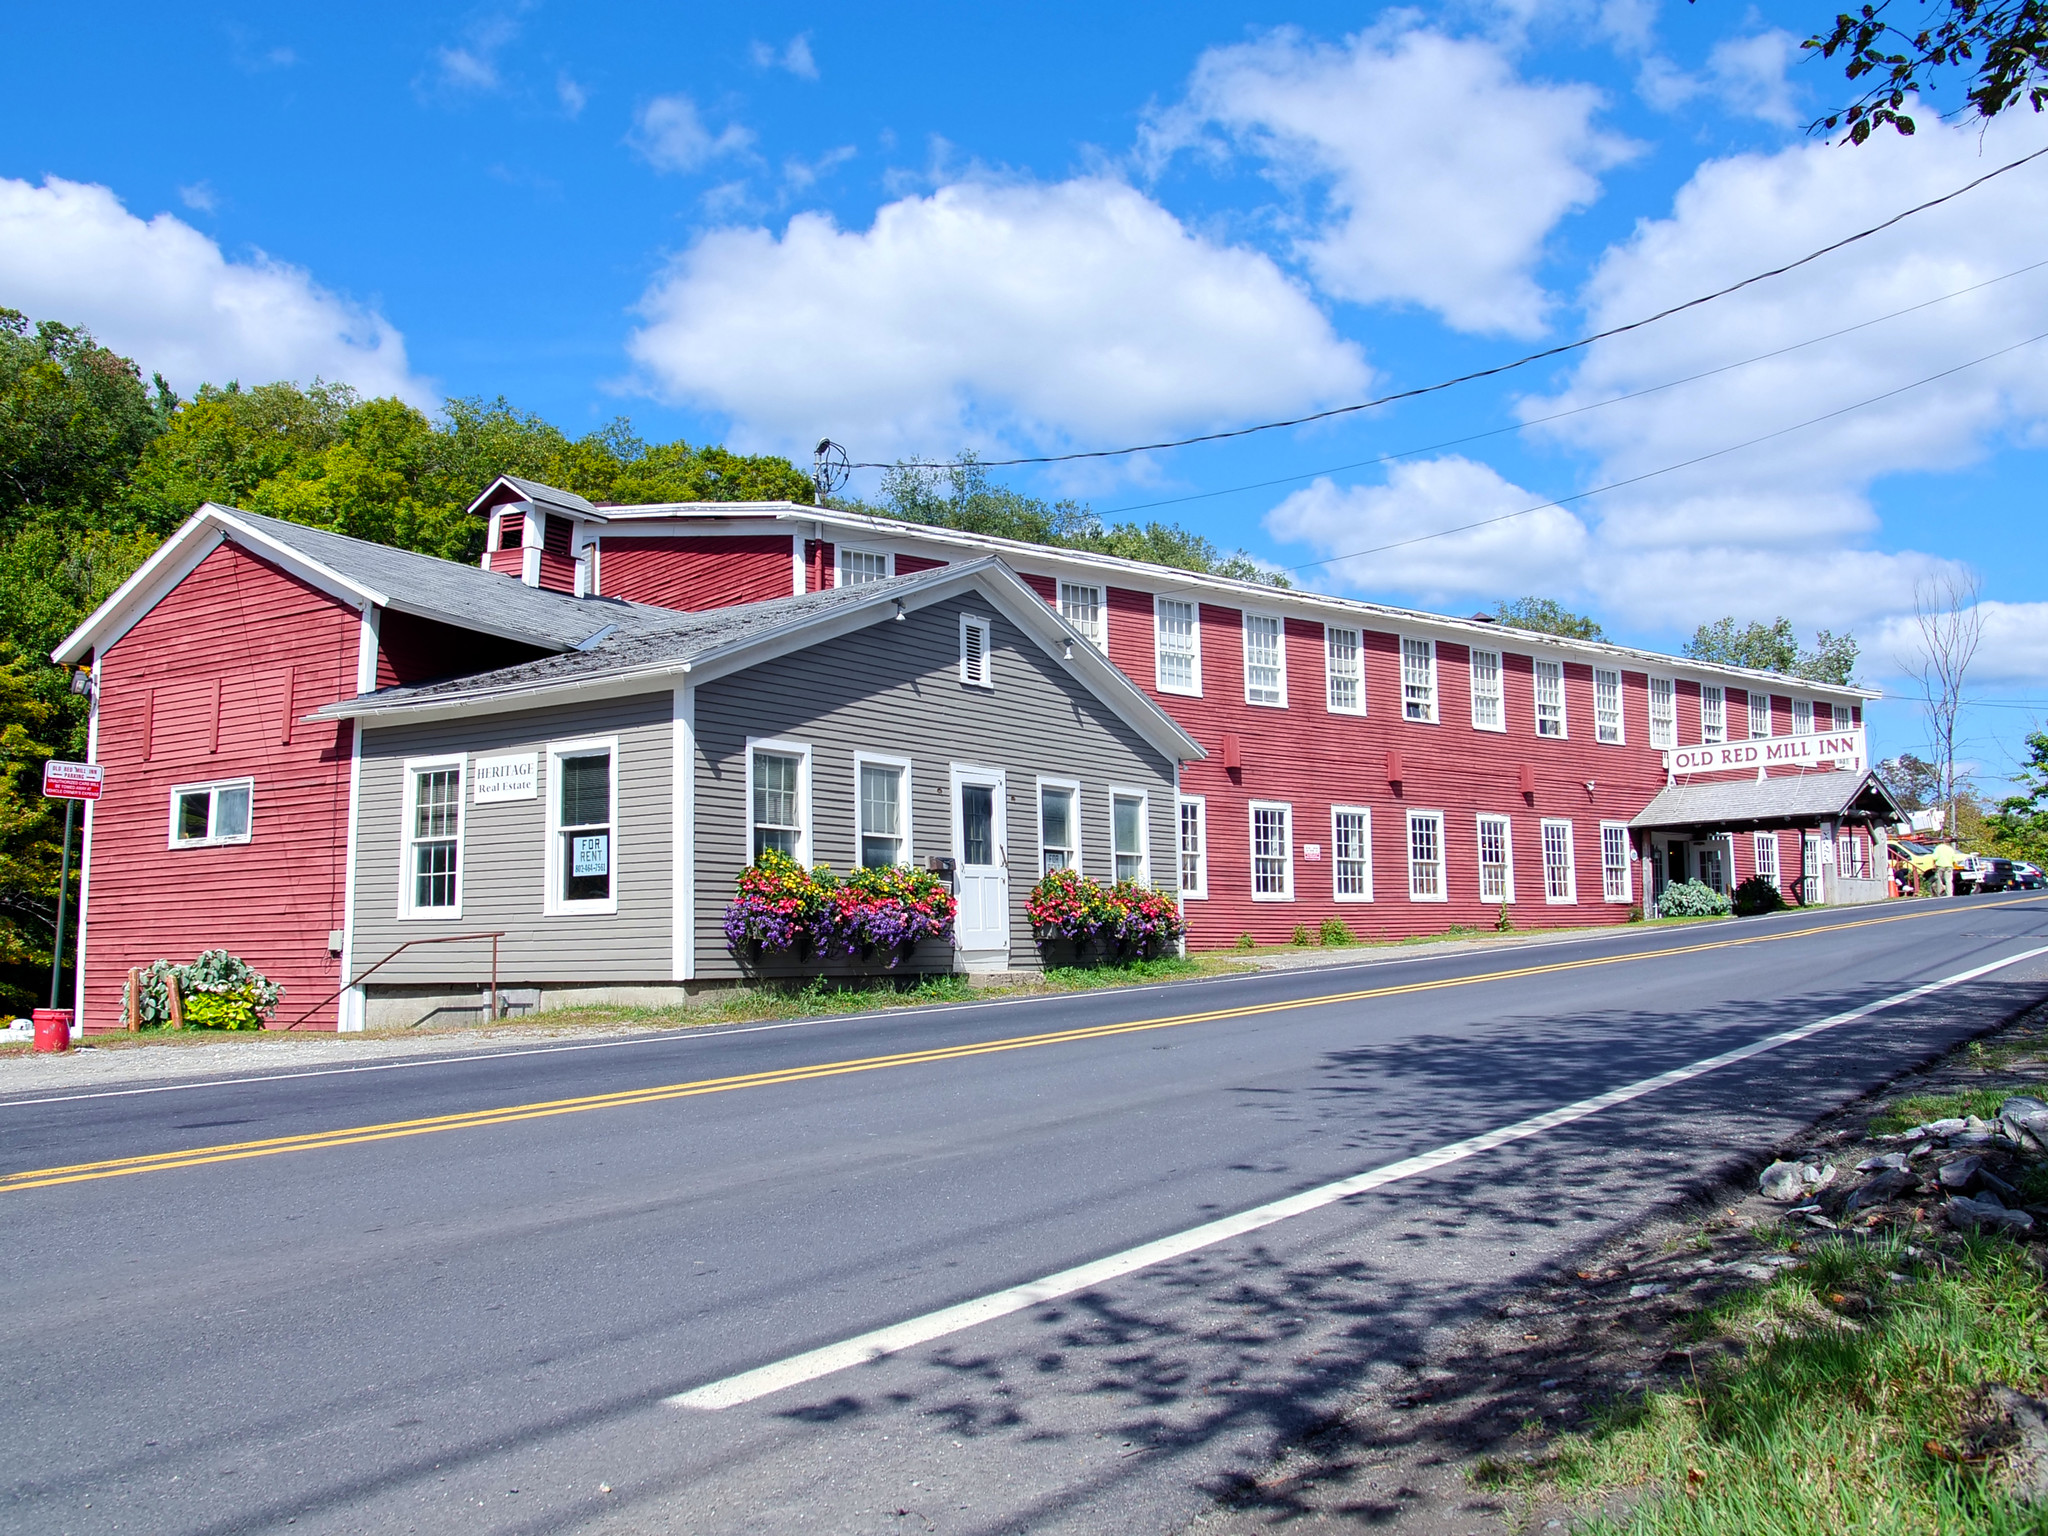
(1560, 883)
(582, 848)
(1607, 705)
(1418, 680)
(1496, 859)
(1759, 713)
(1272, 851)
(1549, 698)
(207, 815)
(1344, 668)
(1426, 856)
(778, 785)
(1127, 820)
(857, 567)
(1713, 715)
(433, 839)
(1845, 856)
(1176, 645)
(1081, 606)
(1059, 827)
(1351, 852)
(1766, 846)
(1488, 713)
(1663, 713)
(1265, 660)
(1615, 884)
(1194, 847)
(1802, 717)
(884, 811)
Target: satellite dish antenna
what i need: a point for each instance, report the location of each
(829, 469)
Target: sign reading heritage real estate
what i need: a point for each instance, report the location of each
(505, 778)
(1842, 748)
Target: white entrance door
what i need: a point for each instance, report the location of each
(980, 837)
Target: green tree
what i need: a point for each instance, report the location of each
(29, 831)
(1999, 47)
(1915, 781)
(1546, 615)
(1775, 647)
(73, 417)
(2019, 826)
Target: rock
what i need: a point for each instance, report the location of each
(1976, 1125)
(1959, 1173)
(1642, 1292)
(1987, 1180)
(1815, 1219)
(1975, 1138)
(2022, 1104)
(1787, 1182)
(1939, 1127)
(2026, 1463)
(1985, 1214)
(1888, 1185)
(1888, 1160)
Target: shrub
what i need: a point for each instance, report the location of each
(1335, 934)
(216, 991)
(1300, 938)
(1505, 922)
(1246, 941)
(1757, 895)
(1692, 898)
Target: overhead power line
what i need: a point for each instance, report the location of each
(1482, 373)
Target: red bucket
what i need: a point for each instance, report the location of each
(53, 1029)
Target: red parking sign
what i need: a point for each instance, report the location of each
(72, 781)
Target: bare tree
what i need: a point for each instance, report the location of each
(1951, 628)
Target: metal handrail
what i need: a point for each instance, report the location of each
(491, 1002)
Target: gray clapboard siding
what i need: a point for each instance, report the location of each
(894, 689)
(504, 853)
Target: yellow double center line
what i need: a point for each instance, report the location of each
(349, 1136)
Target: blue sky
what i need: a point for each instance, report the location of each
(1036, 229)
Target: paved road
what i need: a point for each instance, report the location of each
(462, 1294)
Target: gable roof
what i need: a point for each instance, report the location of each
(1791, 797)
(700, 646)
(545, 497)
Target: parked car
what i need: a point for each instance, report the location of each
(2028, 877)
(1981, 875)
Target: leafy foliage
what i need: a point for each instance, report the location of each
(216, 991)
(73, 417)
(2018, 829)
(1915, 781)
(1756, 896)
(1692, 898)
(2001, 45)
(1064, 904)
(1774, 647)
(1547, 616)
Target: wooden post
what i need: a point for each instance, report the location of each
(177, 1002)
(134, 999)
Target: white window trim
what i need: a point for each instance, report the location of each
(1666, 738)
(1100, 639)
(553, 904)
(1796, 731)
(1366, 812)
(880, 760)
(1245, 636)
(1358, 637)
(1750, 716)
(214, 786)
(1251, 823)
(1401, 643)
(1766, 840)
(1571, 866)
(1507, 848)
(1195, 658)
(408, 887)
(1628, 871)
(1443, 859)
(1500, 701)
(797, 749)
(1144, 799)
(1564, 713)
(987, 681)
(1620, 708)
(841, 551)
(1200, 890)
(1721, 732)
(1072, 787)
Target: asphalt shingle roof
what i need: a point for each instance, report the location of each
(1722, 801)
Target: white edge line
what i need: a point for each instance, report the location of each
(868, 1347)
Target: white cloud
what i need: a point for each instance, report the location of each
(670, 134)
(1442, 171)
(2014, 650)
(801, 175)
(1747, 74)
(467, 69)
(796, 57)
(573, 97)
(164, 294)
(199, 197)
(1078, 312)
(471, 65)
(1542, 553)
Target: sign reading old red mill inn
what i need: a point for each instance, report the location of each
(1842, 749)
(72, 781)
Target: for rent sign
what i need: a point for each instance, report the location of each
(1842, 748)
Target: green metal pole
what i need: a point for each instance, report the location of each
(63, 891)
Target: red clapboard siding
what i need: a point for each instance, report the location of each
(557, 565)
(694, 573)
(509, 562)
(818, 558)
(248, 629)
(910, 565)
(416, 650)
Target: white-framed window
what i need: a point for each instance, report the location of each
(1426, 856)
(1560, 882)
(779, 798)
(583, 852)
(1128, 825)
(977, 667)
(1663, 712)
(1418, 680)
(1081, 606)
(430, 881)
(1496, 859)
(209, 815)
(882, 793)
(860, 566)
(1766, 845)
(1344, 669)
(1607, 725)
(1845, 855)
(1177, 645)
(1802, 717)
(1272, 851)
(1713, 715)
(1759, 713)
(1351, 853)
(1615, 884)
(1488, 711)
(1265, 660)
(1549, 698)
(1059, 825)
(1194, 847)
